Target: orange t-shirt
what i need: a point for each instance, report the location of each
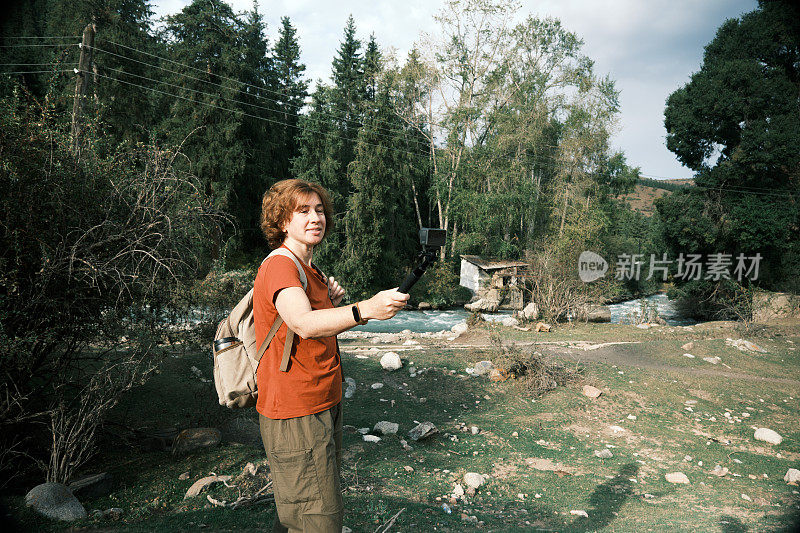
(313, 382)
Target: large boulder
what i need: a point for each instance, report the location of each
(391, 361)
(55, 501)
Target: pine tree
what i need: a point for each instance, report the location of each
(380, 224)
(260, 134)
(205, 35)
(317, 161)
(347, 97)
(290, 89)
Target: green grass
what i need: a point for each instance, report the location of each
(627, 492)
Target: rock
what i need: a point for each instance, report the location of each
(94, 486)
(474, 430)
(346, 529)
(482, 367)
(376, 386)
(768, 436)
(386, 428)
(460, 328)
(115, 513)
(473, 480)
(713, 360)
(351, 387)
(371, 438)
(514, 434)
(591, 392)
(422, 431)
(677, 477)
(690, 356)
(202, 483)
(405, 446)
(597, 313)
(55, 501)
(542, 327)
(498, 374)
(408, 469)
(616, 429)
(745, 346)
(643, 326)
(184, 476)
(391, 361)
(792, 476)
(249, 470)
(509, 321)
(244, 430)
(424, 306)
(410, 342)
(530, 312)
(458, 490)
(605, 453)
(482, 305)
(719, 471)
(688, 346)
(195, 438)
(579, 512)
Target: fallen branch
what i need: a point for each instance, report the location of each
(385, 527)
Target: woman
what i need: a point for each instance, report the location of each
(300, 410)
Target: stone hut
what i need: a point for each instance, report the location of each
(487, 278)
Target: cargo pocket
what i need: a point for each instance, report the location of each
(294, 476)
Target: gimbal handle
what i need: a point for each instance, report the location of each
(428, 257)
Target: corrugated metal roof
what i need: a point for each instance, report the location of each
(490, 264)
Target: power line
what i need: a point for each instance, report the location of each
(263, 89)
(222, 108)
(28, 64)
(38, 71)
(43, 37)
(37, 45)
(233, 99)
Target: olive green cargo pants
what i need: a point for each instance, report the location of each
(305, 455)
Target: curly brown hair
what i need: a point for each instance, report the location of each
(281, 200)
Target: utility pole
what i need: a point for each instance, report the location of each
(82, 85)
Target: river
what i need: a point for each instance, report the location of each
(432, 321)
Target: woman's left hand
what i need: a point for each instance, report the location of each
(335, 291)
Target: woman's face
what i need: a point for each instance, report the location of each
(307, 223)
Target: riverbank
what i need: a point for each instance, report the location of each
(560, 461)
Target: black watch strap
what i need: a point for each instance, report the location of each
(356, 314)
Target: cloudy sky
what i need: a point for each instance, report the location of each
(649, 47)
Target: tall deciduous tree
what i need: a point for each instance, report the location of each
(737, 125)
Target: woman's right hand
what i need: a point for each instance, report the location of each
(383, 305)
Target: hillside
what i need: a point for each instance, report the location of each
(645, 193)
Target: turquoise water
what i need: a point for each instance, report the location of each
(433, 321)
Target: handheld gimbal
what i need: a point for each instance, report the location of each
(431, 240)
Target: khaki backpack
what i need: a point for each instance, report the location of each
(235, 355)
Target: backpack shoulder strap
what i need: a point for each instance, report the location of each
(287, 348)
